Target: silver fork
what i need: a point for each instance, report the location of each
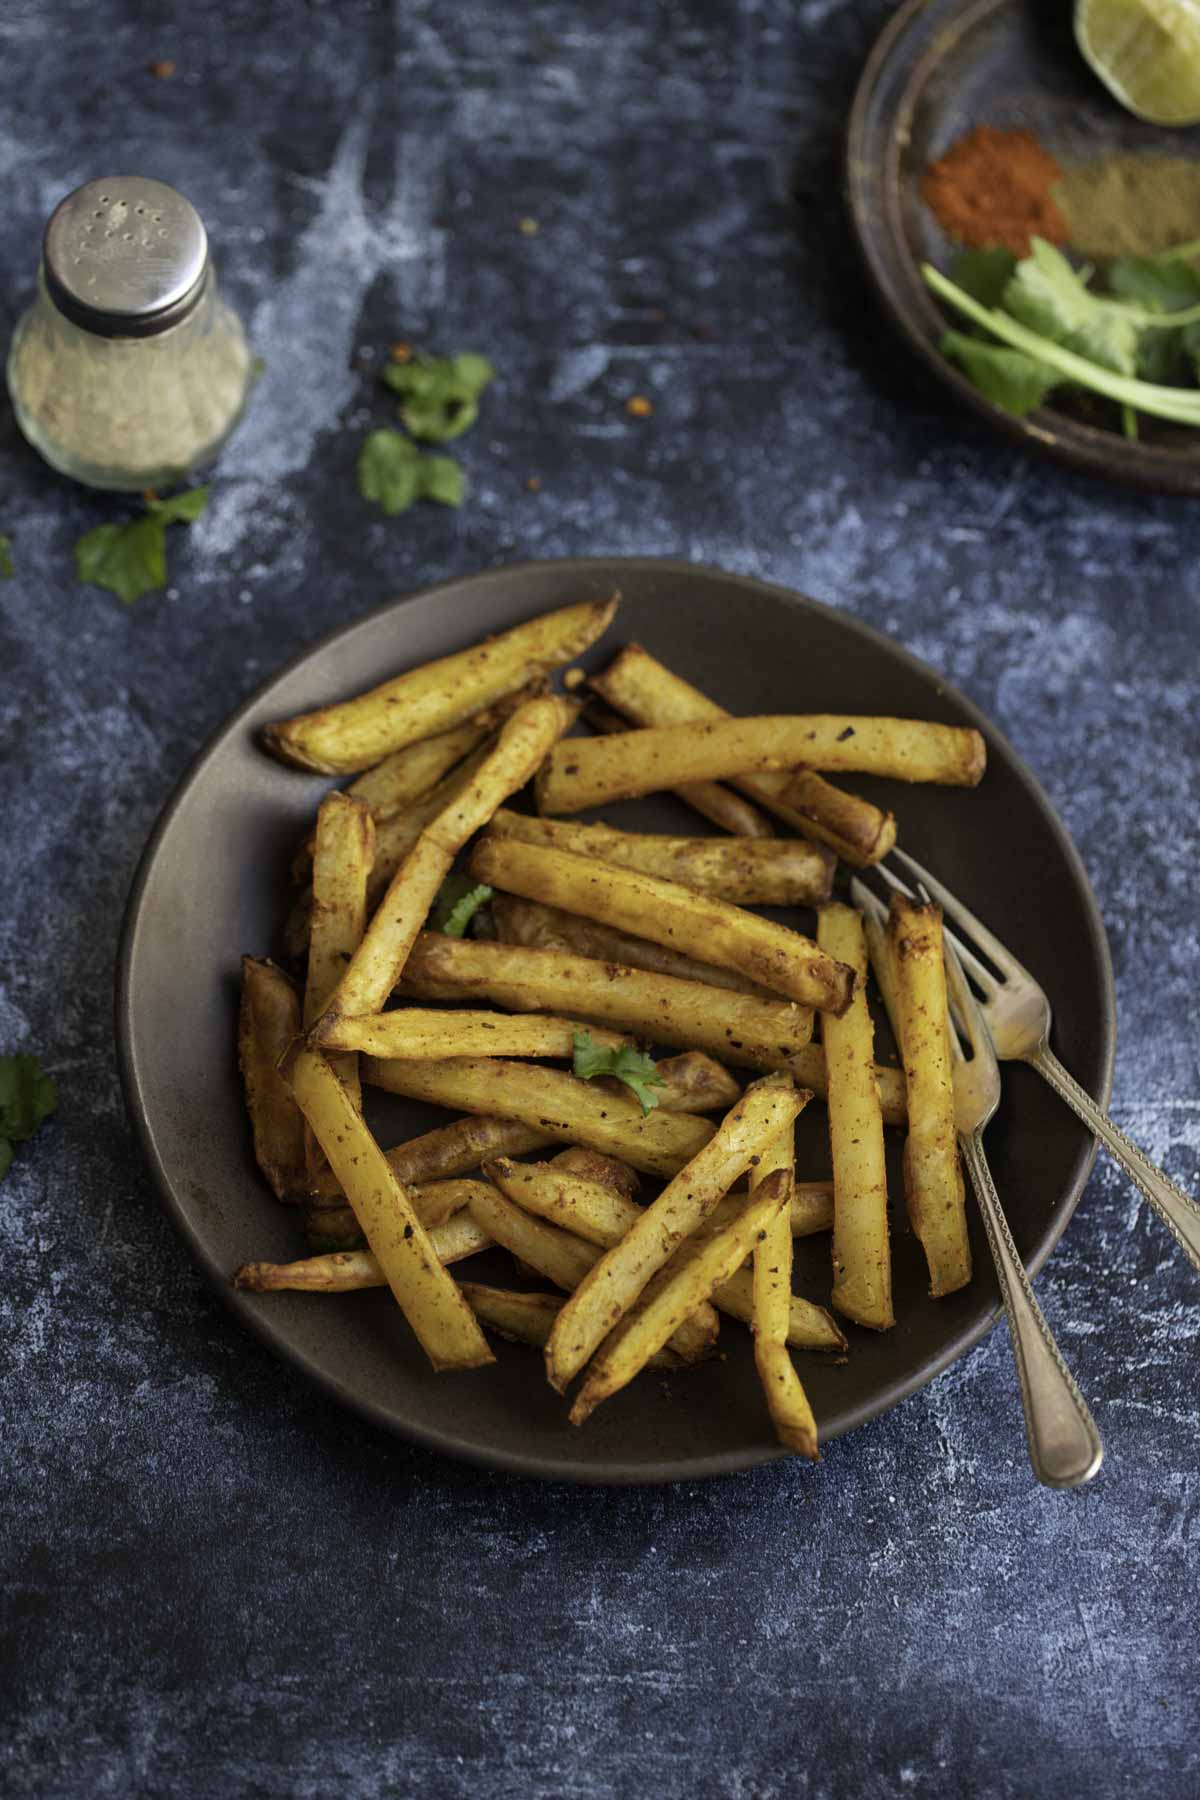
(1064, 1445)
(1017, 1014)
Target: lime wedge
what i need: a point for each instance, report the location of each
(1147, 52)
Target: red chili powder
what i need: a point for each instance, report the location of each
(993, 188)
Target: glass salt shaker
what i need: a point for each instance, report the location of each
(129, 370)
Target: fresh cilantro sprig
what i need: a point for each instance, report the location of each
(6, 568)
(1054, 331)
(439, 395)
(634, 1067)
(131, 559)
(27, 1096)
(459, 899)
(393, 473)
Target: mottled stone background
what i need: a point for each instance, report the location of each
(216, 1583)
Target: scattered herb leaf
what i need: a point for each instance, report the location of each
(393, 473)
(634, 1067)
(27, 1096)
(439, 395)
(130, 560)
(1008, 378)
(459, 899)
(1050, 297)
(984, 274)
(6, 567)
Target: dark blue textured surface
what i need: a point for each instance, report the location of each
(213, 1581)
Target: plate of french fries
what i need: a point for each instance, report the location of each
(502, 1039)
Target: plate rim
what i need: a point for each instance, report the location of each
(1085, 448)
(259, 1321)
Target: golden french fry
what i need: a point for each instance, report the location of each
(758, 948)
(696, 1083)
(592, 771)
(766, 1108)
(424, 1032)
(540, 927)
(356, 733)
(765, 871)
(343, 851)
(557, 1105)
(812, 1207)
(443, 1323)
(346, 1271)
(449, 1150)
(525, 1318)
(809, 1327)
(862, 1257)
(375, 968)
(883, 967)
(787, 1403)
(933, 1182)
(647, 693)
(566, 1259)
(397, 833)
(736, 1028)
(698, 1266)
(609, 1171)
(589, 1209)
(268, 1021)
(720, 805)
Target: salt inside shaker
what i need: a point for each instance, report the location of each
(129, 370)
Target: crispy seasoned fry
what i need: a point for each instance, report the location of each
(736, 1028)
(788, 1404)
(268, 1021)
(766, 1108)
(883, 967)
(540, 927)
(523, 1317)
(449, 1150)
(443, 1323)
(647, 693)
(809, 1327)
(356, 733)
(424, 1032)
(862, 1259)
(933, 1182)
(566, 1259)
(342, 855)
(345, 1271)
(609, 1171)
(718, 804)
(758, 948)
(812, 1207)
(566, 1110)
(698, 1266)
(592, 771)
(397, 833)
(696, 1083)
(588, 1208)
(376, 966)
(764, 871)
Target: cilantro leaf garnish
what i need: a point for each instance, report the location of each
(1008, 378)
(130, 560)
(634, 1067)
(439, 395)
(393, 473)
(6, 567)
(459, 899)
(27, 1096)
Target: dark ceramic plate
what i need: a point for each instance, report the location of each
(212, 884)
(940, 68)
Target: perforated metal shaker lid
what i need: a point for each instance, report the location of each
(125, 257)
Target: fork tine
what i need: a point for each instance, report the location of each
(867, 901)
(965, 1007)
(966, 921)
(979, 972)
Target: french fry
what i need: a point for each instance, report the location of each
(720, 805)
(758, 948)
(735, 1028)
(268, 1021)
(397, 833)
(647, 693)
(862, 1259)
(540, 927)
(698, 1267)
(787, 1403)
(609, 1171)
(346, 1271)
(424, 1032)
(555, 1104)
(376, 965)
(766, 1108)
(812, 1207)
(443, 1323)
(342, 855)
(592, 771)
(696, 1083)
(357, 733)
(883, 967)
(933, 1182)
(448, 1150)
(566, 1259)
(763, 871)
(523, 1317)
(809, 1327)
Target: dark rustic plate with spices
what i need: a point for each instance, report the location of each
(214, 883)
(979, 127)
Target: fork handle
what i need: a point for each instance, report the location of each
(1180, 1215)
(1064, 1444)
